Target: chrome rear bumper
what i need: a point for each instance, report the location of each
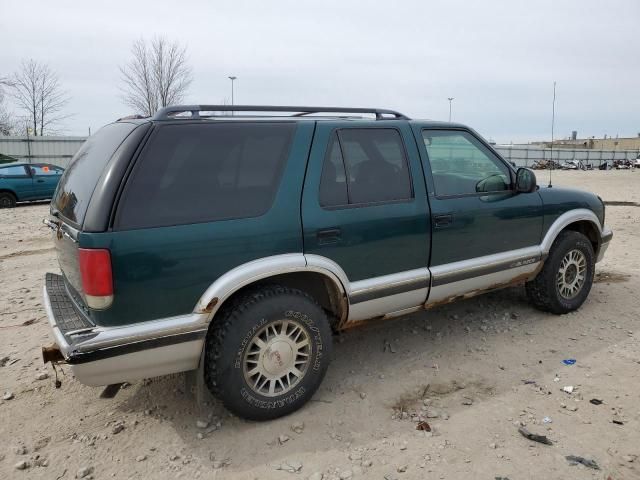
(106, 355)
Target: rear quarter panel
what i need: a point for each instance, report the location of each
(162, 272)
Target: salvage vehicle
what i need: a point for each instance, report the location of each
(236, 245)
(24, 182)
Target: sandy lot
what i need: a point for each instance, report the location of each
(479, 369)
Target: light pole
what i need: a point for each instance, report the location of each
(232, 80)
(450, 100)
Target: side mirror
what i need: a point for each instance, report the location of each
(525, 181)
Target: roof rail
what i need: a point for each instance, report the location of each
(167, 113)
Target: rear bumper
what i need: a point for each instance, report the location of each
(605, 239)
(106, 355)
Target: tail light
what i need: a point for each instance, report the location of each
(97, 278)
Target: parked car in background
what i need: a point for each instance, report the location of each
(636, 162)
(237, 245)
(25, 182)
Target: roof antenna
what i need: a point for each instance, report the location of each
(553, 121)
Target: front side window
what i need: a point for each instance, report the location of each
(365, 166)
(461, 165)
(46, 170)
(197, 173)
(16, 171)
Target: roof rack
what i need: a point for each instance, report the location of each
(170, 112)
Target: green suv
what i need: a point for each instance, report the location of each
(236, 244)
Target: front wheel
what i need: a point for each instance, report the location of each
(565, 280)
(268, 352)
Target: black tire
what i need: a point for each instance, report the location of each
(7, 200)
(232, 337)
(544, 290)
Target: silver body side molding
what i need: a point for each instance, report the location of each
(379, 296)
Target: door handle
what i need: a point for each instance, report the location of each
(328, 236)
(441, 221)
(40, 180)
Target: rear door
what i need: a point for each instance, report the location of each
(364, 208)
(17, 179)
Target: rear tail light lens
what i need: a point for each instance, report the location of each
(97, 278)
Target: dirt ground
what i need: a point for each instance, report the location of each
(478, 369)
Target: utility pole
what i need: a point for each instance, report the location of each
(232, 78)
(450, 100)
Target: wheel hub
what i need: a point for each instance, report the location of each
(277, 358)
(571, 274)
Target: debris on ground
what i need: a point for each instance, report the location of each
(297, 427)
(595, 401)
(424, 426)
(618, 422)
(291, 466)
(84, 472)
(534, 436)
(8, 396)
(388, 347)
(568, 389)
(569, 361)
(587, 462)
(547, 420)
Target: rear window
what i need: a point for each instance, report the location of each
(79, 180)
(196, 173)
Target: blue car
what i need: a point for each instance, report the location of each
(23, 182)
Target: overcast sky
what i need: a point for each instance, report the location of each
(497, 58)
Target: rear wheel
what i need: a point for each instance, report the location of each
(7, 200)
(268, 352)
(564, 282)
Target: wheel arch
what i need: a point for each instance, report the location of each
(579, 220)
(319, 277)
(9, 191)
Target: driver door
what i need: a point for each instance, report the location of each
(475, 210)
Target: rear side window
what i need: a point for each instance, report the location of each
(16, 171)
(79, 180)
(365, 166)
(196, 173)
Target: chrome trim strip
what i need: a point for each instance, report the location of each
(388, 285)
(383, 306)
(480, 266)
(77, 358)
(469, 287)
(108, 337)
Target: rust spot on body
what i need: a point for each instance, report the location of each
(51, 353)
(210, 306)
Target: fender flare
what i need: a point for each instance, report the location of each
(567, 218)
(242, 275)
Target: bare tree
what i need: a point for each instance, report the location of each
(7, 120)
(158, 75)
(37, 91)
